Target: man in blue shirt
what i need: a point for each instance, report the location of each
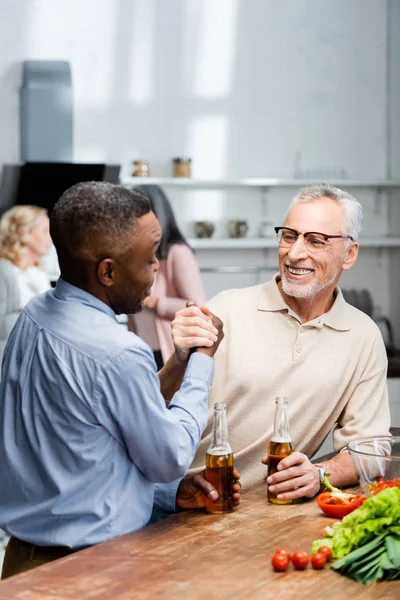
(87, 443)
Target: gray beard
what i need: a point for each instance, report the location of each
(296, 290)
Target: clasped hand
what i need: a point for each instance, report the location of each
(196, 327)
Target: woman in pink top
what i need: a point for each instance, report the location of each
(177, 281)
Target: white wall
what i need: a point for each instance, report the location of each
(244, 87)
(296, 88)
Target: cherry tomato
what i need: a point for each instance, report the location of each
(284, 551)
(300, 560)
(280, 561)
(327, 551)
(318, 560)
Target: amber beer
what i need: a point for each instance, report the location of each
(276, 451)
(281, 444)
(219, 463)
(219, 472)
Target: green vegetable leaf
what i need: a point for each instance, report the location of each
(379, 515)
(357, 554)
(317, 544)
(392, 544)
(375, 561)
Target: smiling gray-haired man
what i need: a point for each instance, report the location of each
(296, 336)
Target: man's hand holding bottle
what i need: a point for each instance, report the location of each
(193, 492)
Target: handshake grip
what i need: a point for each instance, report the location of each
(216, 322)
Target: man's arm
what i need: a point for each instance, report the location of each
(192, 328)
(160, 442)
(341, 470)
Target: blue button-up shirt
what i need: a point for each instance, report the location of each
(85, 433)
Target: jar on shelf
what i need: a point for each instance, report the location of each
(181, 167)
(237, 228)
(203, 229)
(141, 168)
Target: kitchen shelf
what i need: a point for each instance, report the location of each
(260, 182)
(263, 183)
(260, 243)
(231, 243)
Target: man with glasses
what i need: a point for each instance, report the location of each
(296, 336)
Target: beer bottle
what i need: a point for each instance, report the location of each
(219, 463)
(281, 444)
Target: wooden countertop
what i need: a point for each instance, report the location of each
(196, 556)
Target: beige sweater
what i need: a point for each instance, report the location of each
(332, 369)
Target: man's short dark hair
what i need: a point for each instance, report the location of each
(94, 214)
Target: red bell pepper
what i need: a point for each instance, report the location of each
(339, 504)
(382, 484)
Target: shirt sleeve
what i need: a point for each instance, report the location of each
(187, 282)
(165, 495)
(160, 441)
(367, 412)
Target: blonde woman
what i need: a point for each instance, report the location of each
(24, 239)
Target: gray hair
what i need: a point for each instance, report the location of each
(351, 208)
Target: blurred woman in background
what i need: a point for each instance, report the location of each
(24, 239)
(177, 281)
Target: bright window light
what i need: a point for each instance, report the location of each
(210, 42)
(141, 75)
(207, 141)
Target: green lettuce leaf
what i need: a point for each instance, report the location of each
(317, 544)
(379, 515)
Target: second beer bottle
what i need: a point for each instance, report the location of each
(281, 444)
(219, 463)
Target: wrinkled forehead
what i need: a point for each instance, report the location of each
(323, 215)
(149, 226)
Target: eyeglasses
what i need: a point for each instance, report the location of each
(313, 240)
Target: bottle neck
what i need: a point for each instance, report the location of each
(219, 438)
(281, 422)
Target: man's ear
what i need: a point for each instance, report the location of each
(106, 272)
(351, 256)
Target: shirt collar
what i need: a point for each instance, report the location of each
(67, 291)
(270, 299)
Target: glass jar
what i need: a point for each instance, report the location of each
(237, 228)
(181, 167)
(141, 169)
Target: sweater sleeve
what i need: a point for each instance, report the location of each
(187, 282)
(367, 412)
